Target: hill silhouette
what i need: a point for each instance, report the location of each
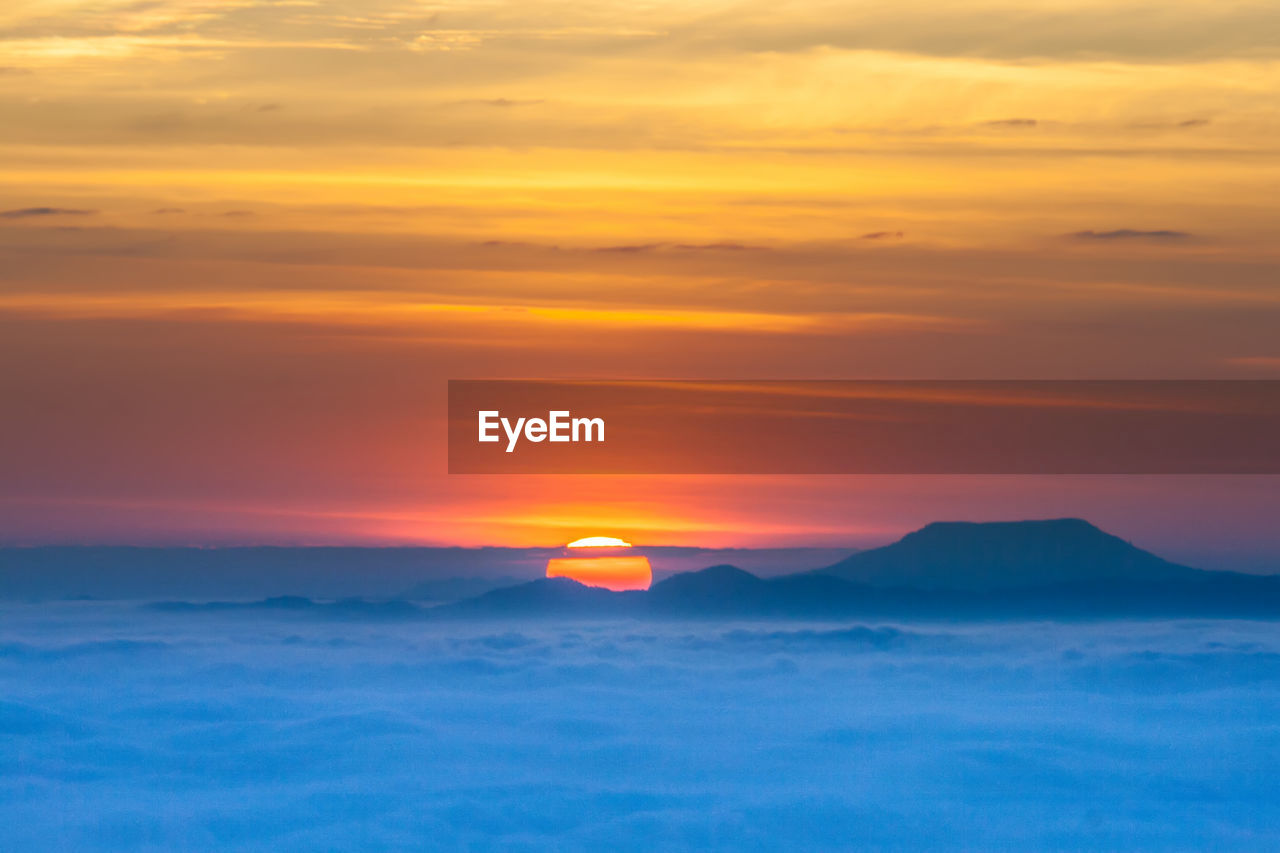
(327, 573)
(346, 608)
(1026, 569)
(1059, 568)
(710, 590)
(456, 588)
(1005, 555)
(546, 597)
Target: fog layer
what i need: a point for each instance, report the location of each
(130, 728)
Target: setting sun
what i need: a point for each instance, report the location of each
(598, 542)
(610, 566)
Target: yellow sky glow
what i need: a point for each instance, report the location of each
(248, 243)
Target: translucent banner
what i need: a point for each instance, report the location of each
(864, 427)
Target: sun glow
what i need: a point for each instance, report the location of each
(616, 573)
(598, 542)
(606, 567)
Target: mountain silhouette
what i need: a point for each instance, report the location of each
(456, 588)
(1060, 568)
(1218, 595)
(1005, 555)
(711, 590)
(546, 597)
(347, 608)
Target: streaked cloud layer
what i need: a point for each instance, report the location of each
(257, 211)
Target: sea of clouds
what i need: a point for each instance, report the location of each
(126, 728)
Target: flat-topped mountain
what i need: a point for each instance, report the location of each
(956, 555)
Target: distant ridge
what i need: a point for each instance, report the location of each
(1051, 569)
(240, 573)
(709, 591)
(347, 608)
(456, 588)
(957, 555)
(545, 597)
(1055, 568)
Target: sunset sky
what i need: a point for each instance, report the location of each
(244, 245)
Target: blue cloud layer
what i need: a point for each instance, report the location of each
(138, 729)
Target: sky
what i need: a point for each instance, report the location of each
(244, 245)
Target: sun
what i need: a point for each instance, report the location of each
(599, 542)
(609, 565)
